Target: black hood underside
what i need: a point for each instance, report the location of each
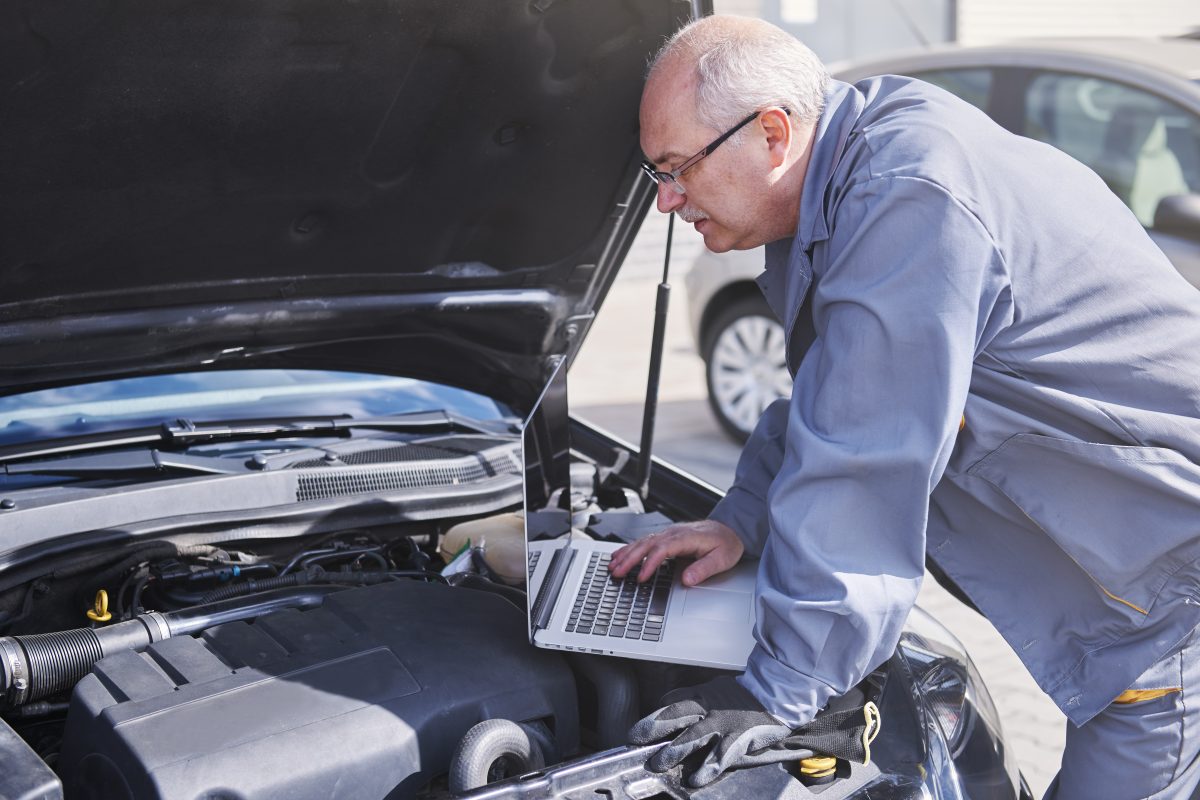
(198, 172)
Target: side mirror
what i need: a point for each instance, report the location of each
(1179, 215)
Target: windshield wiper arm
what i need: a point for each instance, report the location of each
(126, 461)
(416, 422)
(188, 432)
(183, 432)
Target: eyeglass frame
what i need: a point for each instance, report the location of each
(671, 178)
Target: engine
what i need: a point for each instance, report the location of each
(364, 696)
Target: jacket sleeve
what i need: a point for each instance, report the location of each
(900, 311)
(744, 507)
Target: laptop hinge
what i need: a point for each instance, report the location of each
(556, 575)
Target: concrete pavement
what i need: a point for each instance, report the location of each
(607, 388)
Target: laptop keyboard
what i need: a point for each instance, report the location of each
(621, 607)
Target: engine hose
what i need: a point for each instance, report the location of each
(492, 750)
(252, 585)
(42, 664)
(309, 575)
(151, 552)
(190, 620)
(616, 696)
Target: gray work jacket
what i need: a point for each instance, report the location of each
(951, 270)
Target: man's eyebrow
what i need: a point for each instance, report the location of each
(665, 157)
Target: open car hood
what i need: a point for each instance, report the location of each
(421, 188)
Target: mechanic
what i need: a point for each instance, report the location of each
(994, 366)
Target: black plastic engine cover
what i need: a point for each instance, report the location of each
(364, 697)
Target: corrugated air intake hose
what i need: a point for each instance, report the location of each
(42, 664)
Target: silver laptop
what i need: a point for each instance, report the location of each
(575, 604)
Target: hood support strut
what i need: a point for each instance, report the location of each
(656, 351)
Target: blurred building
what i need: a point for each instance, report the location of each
(989, 21)
(849, 29)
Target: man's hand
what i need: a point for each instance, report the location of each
(721, 717)
(715, 547)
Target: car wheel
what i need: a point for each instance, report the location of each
(745, 365)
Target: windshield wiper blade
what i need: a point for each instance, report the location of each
(127, 461)
(181, 432)
(184, 433)
(188, 432)
(417, 422)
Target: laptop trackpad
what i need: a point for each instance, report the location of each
(715, 604)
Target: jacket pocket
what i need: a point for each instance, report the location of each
(1128, 516)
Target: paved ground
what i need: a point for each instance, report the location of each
(608, 387)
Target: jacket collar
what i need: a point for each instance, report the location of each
(843, 106)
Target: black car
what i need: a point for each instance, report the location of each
(279, 283)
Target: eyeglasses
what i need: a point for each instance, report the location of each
(672, 178)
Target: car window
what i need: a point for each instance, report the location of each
(1144, 147)
(972, 85)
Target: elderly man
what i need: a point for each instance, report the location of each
(994, 366)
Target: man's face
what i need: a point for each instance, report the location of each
(724, 193)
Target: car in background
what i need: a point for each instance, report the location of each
(1127, 108)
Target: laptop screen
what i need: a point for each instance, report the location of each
(546, 453)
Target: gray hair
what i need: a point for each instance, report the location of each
(744, 64)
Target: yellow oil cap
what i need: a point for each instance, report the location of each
(818, 766)
(99, 611)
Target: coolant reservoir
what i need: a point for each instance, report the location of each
(502, 539)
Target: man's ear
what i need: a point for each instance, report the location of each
(777, 127)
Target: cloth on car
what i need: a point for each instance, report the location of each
(725, 727)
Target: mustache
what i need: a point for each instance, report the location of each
(690, 215)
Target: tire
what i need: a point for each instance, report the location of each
(745, 366)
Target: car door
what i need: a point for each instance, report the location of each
(1146, 148)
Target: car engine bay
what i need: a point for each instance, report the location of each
(363, 696)
(341, 665)
(387, 659)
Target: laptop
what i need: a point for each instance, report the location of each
(575, 604)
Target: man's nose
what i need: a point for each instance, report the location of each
(668, 199)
